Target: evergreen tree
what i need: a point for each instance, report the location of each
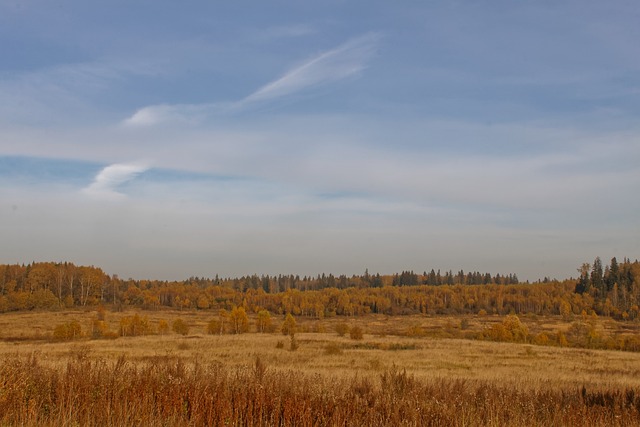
(597, 281)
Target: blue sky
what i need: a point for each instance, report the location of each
(166, 140)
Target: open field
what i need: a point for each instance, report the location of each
(384, 344)
(511, 370)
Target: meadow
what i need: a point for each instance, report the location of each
(404, 370)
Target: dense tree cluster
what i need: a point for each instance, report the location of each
(612, 291)
(615, 288)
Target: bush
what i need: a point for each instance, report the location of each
(294, 343)
(510, 330)
(214, 327)
(356, 333)
(416, 331)
(163, 327)
(133, 326)
(342, 328)
(179, 326)
(100, 329)
(332, 349)
(68, 331)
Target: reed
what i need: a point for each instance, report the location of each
(169, 391)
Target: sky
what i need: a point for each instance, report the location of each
(164, 140)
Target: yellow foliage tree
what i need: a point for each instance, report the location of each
(239, 320)
(289, 325)
(263, 322)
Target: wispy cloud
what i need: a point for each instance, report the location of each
(106, 183)
(162, 113)
(344, 61)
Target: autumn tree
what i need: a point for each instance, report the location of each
(163, 327)
(132, 326)
(239, 320)
(289, 325)
(263, 322)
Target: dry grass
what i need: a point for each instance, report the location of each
(439, 375)
(167, 391)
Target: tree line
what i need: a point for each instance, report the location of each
(612, 291)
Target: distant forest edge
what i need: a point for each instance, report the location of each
(612, 290)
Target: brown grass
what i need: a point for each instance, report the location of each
(168, 391)
(328, 380)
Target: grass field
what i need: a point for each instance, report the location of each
(514, 371)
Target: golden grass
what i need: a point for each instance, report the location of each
(387, 378)
(384, 345)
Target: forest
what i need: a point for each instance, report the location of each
(612, 290)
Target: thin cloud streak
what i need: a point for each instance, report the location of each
(163, 113)
(342, 62)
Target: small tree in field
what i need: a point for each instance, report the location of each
(133, 326)
(239, 320)
(163, 327)
(214, 327)
(67, 331)
(179, 326)
(289, 325)
(263, 322)
(294, 343)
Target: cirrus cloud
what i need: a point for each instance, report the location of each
(344, 61)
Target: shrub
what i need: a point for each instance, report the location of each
(319, 328)
(416, 331)
(356, 333)
(99, 329)
(294, 343)
(68, 331)
(342, 328)
(133, 326)
(163, 327)
(332, 349)
(464, 324)
(511, 329)
(541, 339)
(179, 326)
(214, 327)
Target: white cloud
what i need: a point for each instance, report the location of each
(344, 61)
(163, 113)
(106, 183)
